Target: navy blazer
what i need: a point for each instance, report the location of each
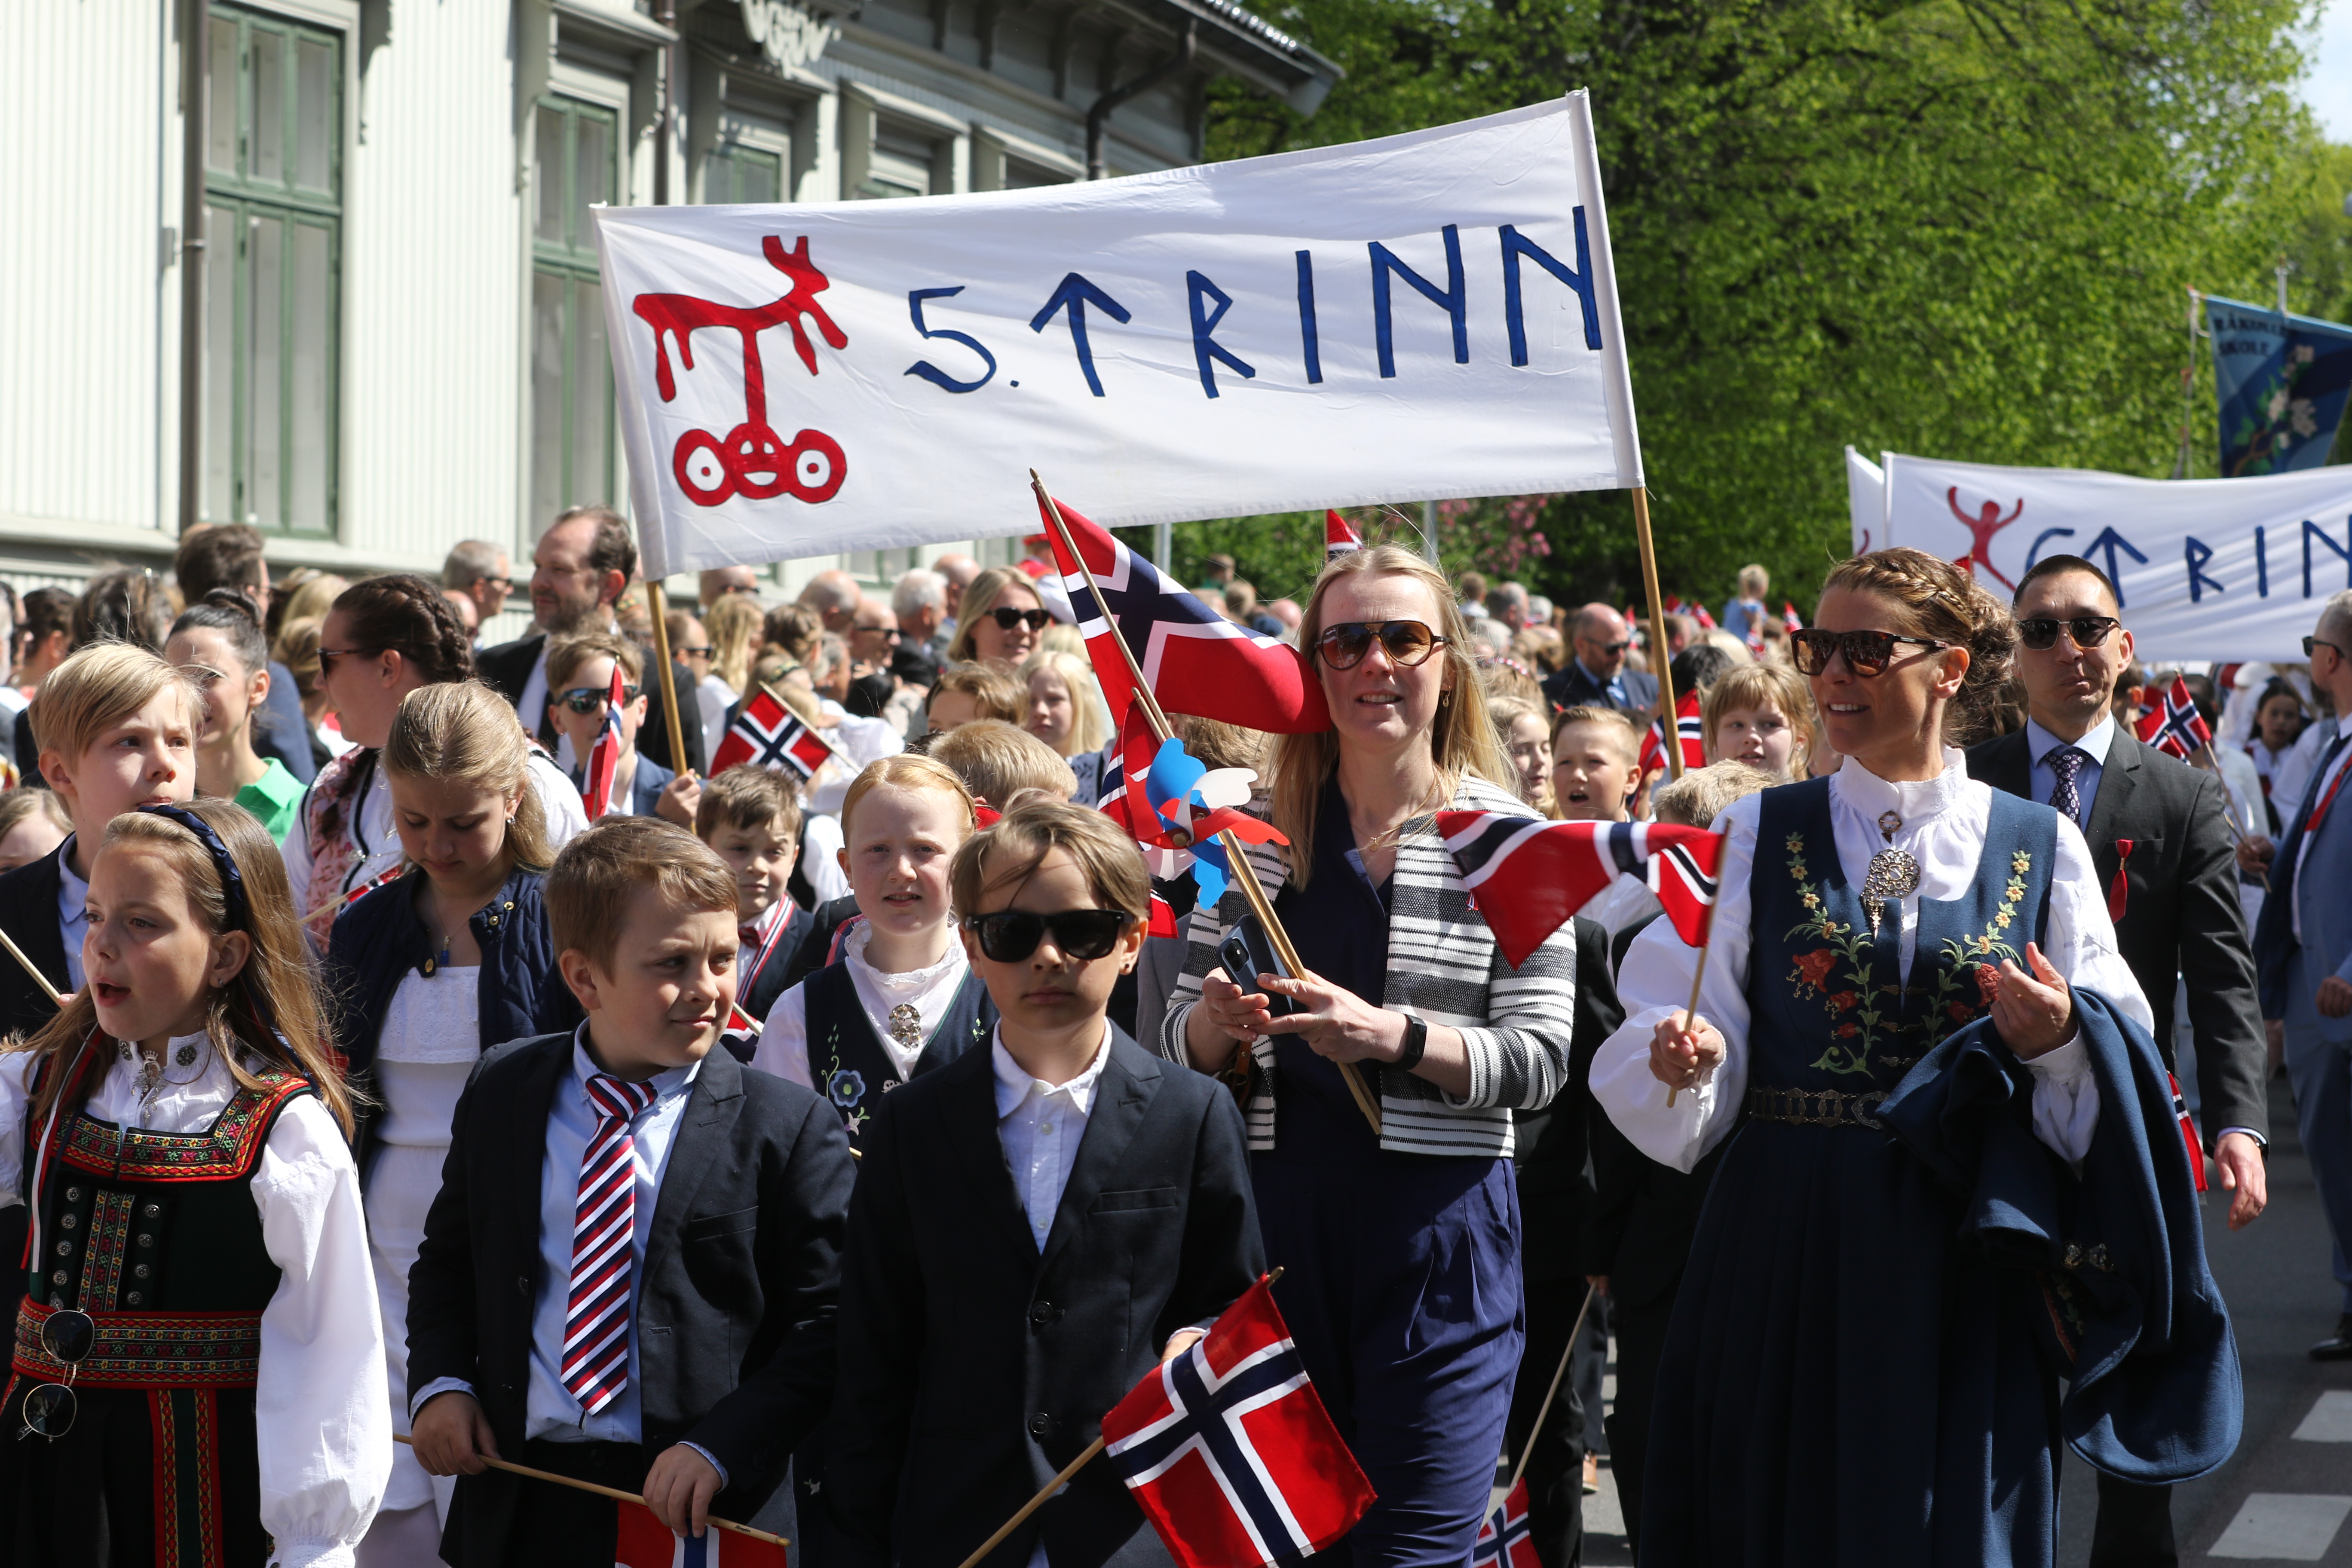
(377, 943)
(28, 912)
(2275, 943)
(734, 1302)
(1570, 687)
(974, 1366)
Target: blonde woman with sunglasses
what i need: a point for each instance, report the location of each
(1408, 1237)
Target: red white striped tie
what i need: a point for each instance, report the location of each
(603, 1230)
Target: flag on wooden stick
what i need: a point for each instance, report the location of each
(1529, 875)
(1690, 732)
(767, 734)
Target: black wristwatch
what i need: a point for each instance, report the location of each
(1416, 1042)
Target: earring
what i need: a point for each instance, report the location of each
(509, 822)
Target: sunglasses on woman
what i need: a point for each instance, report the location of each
(591, 699)
(1006, 618)
(67, 1337)
(2041, 632)
(1344, 644)
(1866, 653)
(1009, 936)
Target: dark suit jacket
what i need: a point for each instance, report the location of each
(825, 924)
(2181, 916)
(1554, 1161)
(1570, 687)
(506, 667)
(972, 1367)
(760, 992)
(735, 1304)
(28, 912)
(2274, 942)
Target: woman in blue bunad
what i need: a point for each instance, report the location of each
(1401, 1247)
(1953, 1176)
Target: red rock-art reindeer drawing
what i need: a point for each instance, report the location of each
(1981, 527)
(753, 460)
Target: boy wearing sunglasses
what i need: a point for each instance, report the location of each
(1035, 1225)
(579, 690)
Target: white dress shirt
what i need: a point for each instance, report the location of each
(2095, 744)
(323, 1417)
(73, 912)
(783, 1034)
(1040, 1125)
(1944, 824)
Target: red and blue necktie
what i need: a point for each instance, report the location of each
(603, 1232)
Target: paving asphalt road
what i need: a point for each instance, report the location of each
(2284, 1498)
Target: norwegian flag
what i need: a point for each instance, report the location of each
(1339, 536)
(605, 757)
(1688, 727)
(643, 1540)
(1506, 1540)
(1529, 875)
(1694, 609)
(1196, 660)
(1789, 616)
(1229, 1451)
(767, 734)
(2174, 726)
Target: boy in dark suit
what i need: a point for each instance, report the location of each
(1036, 1226)
(752, 817)
(629, 1274)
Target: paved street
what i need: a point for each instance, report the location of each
(2286, 1496)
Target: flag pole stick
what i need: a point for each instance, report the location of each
(1551, 1393)
(1034, 1503)
(612, 1492)
(659, 603)
(39, 978)
(1658, 654)
(1245, 874)
(1699, 978)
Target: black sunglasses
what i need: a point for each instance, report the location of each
(1344, 644)
(1866, 653)
(67, 1336)
(1009, 936)
(1006, 618)
(2310, 643)
(2088, 631)
(591, 699)
(327, 656)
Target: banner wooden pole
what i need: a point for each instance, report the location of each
(612, 1492)
(657, 602)
(39, 978)
(1566, 1354)
(1236, 854)
(1658, 652)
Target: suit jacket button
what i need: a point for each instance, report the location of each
(1040, 1423)
(522, 1284)
(1041, 1314)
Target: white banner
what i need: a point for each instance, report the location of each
(1418, 318)
(2208, 569)
(1865, 498)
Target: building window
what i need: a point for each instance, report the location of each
(902, 164)
(574, 165)
(735, 171)
(273, 185)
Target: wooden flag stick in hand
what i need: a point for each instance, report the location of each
(1690, 1013)
(612, 1492)
(39, 978)
(1236, 853)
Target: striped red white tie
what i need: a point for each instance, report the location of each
(604, 1229)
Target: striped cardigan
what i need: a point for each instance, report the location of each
(1443, 968)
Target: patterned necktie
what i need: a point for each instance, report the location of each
(603, 1231)
(2065, 763)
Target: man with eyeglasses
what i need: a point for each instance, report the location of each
(2303, 944)
(481, 572)
(2160, 840)
(1597, 677)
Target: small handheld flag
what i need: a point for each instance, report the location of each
(1690, 730)
(643, 1540)
(1506, 1540)
(767, 734)
(1789, 616)
(1196, 660)
(1339, 536)
(1530, 876)
(1229, 1451)
(2174, 726)
(605, 757)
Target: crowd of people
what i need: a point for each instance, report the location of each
(832, 1154)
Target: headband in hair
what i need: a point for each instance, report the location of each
(240, 908)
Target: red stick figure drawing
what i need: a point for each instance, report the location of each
(1981, 527)
(753, 460)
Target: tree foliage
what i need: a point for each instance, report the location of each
(1963, 228)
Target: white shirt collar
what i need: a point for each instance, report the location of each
(1015, 1085)
(72, 887)
(2094, 743)
(584, 1068)
(902, 982)
(1915, 800)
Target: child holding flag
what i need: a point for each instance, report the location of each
(581, 675)
(427, 972)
